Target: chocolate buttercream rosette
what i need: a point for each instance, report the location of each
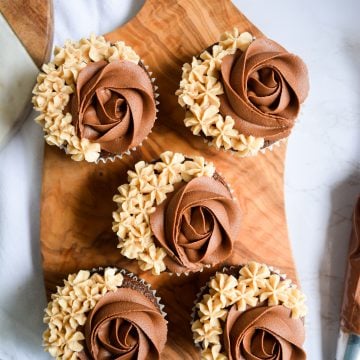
(105, 314)
(243, 94)
(176, 214)
(96, 99)
(249, 312)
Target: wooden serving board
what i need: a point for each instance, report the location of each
(76, 210)
(32, 22)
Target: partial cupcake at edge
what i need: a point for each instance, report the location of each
(105, 314)
(96, 99)
(249, 312)
(176, 214)
(243, 94)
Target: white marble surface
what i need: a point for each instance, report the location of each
(322, 167)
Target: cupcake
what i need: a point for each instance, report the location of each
(176, 214)
(96, 99)
(104, 314)
(250, 312)
(243, 94)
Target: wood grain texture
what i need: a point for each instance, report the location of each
(77, 197)
(32, 22)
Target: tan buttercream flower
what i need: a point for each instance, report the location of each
(197, 167)
(206, 333)
(171, 166)
(211, 310)
(247, 145)
(235, 40)
(224, 132)
(141, 174)
(275, 290)
(213, 353)
(224, 286)
(200, 118)
(296, 302)
(153, 259)
(213, 59)
(83, 149)
(245, 296)
(254, 275)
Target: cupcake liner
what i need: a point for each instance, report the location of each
(236, 153)
(274, 145)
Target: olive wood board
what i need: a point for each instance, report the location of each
(32, 22)
(77, 206)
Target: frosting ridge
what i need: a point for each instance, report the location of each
(197, 224)
(263, 89)
(113, 104)
(125, 324)
(263, 333)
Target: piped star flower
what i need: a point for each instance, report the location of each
(275, 290)
(206, 333)
(247, 145)
(195, 72)
(200, 118)
(246, 296)
(153, 259)
(196, 168)
(213, 353)
(141, 175)
(224, 133)
(235, 40)
(210, 310)
(224, 286)
(254, 275)
(158, 187)
(142, 207)
(170, 166)
(81, 149)
(209, 91)
(296, 302)
(213, 60)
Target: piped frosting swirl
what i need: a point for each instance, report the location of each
(113, 105)
(196, 225)
(263, 89)
(123, 325)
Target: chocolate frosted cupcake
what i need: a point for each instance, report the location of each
(107, 314)
(176, 214)
(250, 312)
(243, 94)
(96, 99)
